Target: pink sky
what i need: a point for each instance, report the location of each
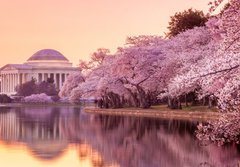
(77, 28)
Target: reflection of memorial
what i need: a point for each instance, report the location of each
(45, 138)
(48, 131)
(42, 129)
(9, 127)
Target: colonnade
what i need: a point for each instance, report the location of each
(9, 81)
(59, 78)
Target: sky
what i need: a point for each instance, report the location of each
(76, 28)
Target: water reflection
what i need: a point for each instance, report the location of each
(65, 136)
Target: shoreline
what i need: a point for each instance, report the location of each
(153, 113)
(136, 112)
(37, 104)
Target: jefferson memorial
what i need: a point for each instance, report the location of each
(44, 64)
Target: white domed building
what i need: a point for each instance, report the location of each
(44, 64)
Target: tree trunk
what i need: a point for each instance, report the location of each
(175, 103)
(186, 103)
(144, 98)
(210, 103)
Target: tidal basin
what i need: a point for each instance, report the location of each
(59, 136)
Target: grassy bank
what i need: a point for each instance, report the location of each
(184, 108)
(161, 112)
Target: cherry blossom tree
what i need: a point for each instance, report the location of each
(183, 53)
(134, 68)
(224, 68)
(224, 77)
(96, 59)
(72, 81)
(88, 88)
(38, 98)
(215, 75)
(124, 77)
(142, 69)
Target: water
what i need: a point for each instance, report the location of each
(67, 137)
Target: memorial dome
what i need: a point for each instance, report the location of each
(47, 54)
(48, 58)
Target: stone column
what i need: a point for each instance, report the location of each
(37, 77)
(12, 83)
(65, 76)
(17, 79)
(43, 77)
(20, 78)
(55, 79)
(18, 82)
(60, 80)
(8, 76)
(23, 80)
(48, 75)
(15, 82)
(4, 82)
(1, 83)
(25, 77)
(7, 82)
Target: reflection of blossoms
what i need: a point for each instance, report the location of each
(224, 130)
(147, 142)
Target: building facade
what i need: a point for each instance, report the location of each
(44, 64)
